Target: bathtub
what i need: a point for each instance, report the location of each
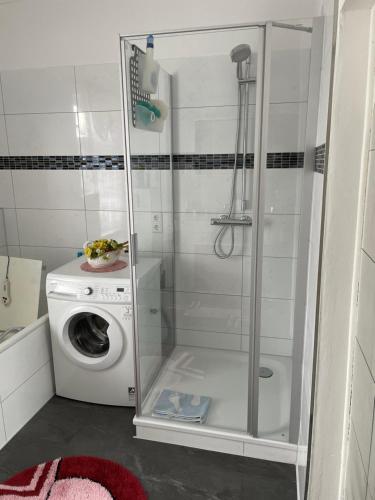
(26, 377)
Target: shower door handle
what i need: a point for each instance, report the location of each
(133, 248)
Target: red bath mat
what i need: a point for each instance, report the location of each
(74, 478)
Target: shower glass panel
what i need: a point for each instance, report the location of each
(287, 67)
(218, 186)
(191, 190)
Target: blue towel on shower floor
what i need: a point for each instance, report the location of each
(182, 407)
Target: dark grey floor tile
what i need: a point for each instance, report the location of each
(64, 427)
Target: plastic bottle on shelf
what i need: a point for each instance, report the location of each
(150, 70)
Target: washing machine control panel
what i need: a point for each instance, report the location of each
(89, 292)
(114, 293)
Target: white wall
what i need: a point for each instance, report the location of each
(360, 470)
(345, 188)
(37, 33)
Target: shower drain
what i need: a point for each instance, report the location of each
(265, 372)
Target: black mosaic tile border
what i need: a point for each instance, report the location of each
(62, 162)
(226, 161)
(320, 158)
(148, 162)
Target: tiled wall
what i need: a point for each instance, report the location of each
(60, 111)
(3, 238)
(360, 481)
(212, 295)
(75, 111)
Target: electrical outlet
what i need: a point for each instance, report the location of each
(157, 222)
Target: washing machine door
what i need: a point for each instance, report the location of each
(91, 337)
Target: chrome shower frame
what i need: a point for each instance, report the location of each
(277, 450)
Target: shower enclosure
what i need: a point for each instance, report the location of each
(220, 194)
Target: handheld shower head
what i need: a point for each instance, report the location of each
(239, 54)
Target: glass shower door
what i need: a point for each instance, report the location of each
(284, 176)
(191, 204)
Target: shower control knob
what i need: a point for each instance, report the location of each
(87, 291)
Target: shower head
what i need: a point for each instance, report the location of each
(239, 54)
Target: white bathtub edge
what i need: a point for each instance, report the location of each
(23, 333)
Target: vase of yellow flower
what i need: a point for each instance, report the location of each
(103, 253)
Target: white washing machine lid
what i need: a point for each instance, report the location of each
(91, 337)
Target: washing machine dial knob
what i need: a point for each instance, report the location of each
(87, 291)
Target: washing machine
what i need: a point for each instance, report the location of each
(91, 327)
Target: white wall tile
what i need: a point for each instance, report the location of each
(282, 190)
(98, 87)
(208, 274)
(167, 195)
(14, 251)
(4, 151)
(52, 228)
(3, 250)
(289, 73)
(287, 127)
(204, 191)
(43, 134)
(41, 90)
(207, 312)
(208, 339)
(22, 404)
(147, 239)
(207, 130)
(11, 226)
(362, 405)
(105, 189)
(53, 189)
(204, 81)
(366, 310)
(147, 194)
(277, 317)
(212, 81)
(51, 257)
(101, 133)
(273, 347)
(143, 142)
(280, 236)
(195, 234)
(6, 189)
(369, 229)
(3, 238)
(1, 97)
(278, 277)
(107, 224)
